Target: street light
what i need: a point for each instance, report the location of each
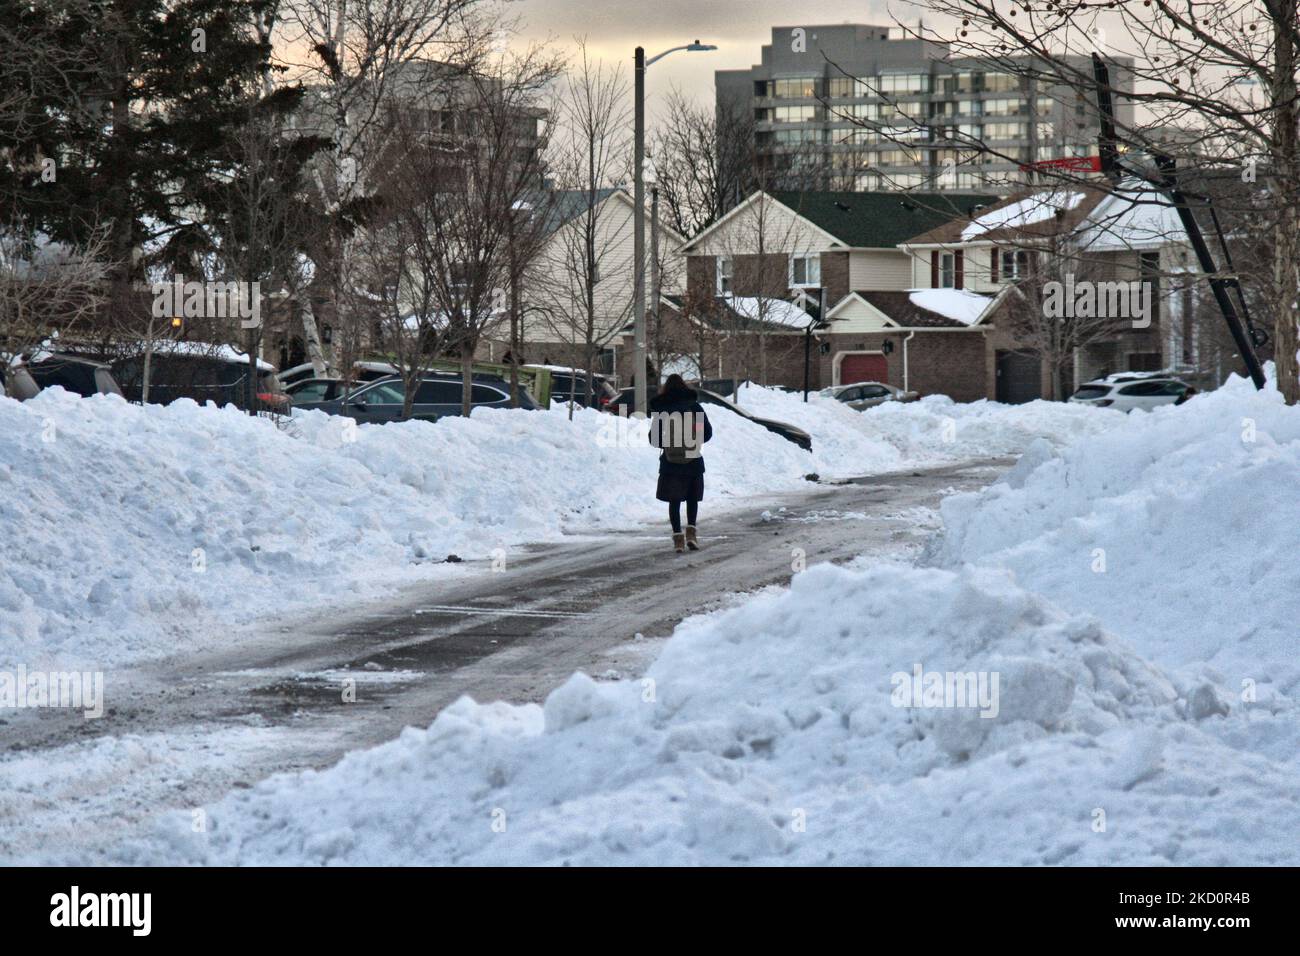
(638, 214)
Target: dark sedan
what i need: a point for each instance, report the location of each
(437, 396)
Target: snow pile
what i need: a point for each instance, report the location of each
(129, 530)
(1178, 529)
(784, 731)
(934, 431)
(959, 305)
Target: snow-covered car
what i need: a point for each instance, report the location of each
(862, 395)
(200, 371)
(437, 396)
(1128, 392)
(361, 372)
(76, 373)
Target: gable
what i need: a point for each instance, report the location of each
(854, 314)
(761, 223)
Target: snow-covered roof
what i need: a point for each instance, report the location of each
(1031, 209)
(773, 311)
(1133, 217)
(959, 305)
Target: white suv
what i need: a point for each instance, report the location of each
(1127, 392)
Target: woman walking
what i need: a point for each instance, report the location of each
(679, 427)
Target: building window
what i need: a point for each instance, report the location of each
(805, 271)
(796, 114)
(846, 86)
(947, 270)
(1001, 82)
(1014, 264)
(1005, 131)
(797, 87)
(1005, 107)
(907, 84)
(725, 268)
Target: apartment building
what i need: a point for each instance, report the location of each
(854, 107)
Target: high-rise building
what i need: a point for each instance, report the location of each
(852, 106)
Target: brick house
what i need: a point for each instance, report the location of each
(833, 256)
(1011, 249)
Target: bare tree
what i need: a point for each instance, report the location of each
(475, 191)
(1224, 73)
(47, 291)
(704, 161)
(582, 284)
(365, 54)
(754, 257)
(392, 286)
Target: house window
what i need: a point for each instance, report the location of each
(947, 270)
(726, 269)
(1014, 264)
(805, 271)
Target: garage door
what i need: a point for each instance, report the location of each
(863, 368)
(1019, 378)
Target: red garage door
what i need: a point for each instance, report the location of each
(863, 368)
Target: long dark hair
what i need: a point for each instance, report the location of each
(673, 383)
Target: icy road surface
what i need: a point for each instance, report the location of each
(181, 733)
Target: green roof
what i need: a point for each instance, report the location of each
(880, 220)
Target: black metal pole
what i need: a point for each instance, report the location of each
(1218, 285)
(1114, 167)
(807, 347)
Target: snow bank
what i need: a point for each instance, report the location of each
(777, 732)
(131, 530)
(134, 531)
(1178, 529)
(933, 431)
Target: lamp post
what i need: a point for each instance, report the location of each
(640, 63)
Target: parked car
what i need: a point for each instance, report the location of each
(626, 401)
(76, 373)
(438, 396)
(317, 390)
(361, 372)
(1126, 393)
(204, 373)
(568, 385)
(862, 395)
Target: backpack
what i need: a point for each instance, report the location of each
(672, 441)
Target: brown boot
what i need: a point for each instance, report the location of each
(692, 542)
(679, 542)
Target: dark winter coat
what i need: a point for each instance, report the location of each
(679, 480)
